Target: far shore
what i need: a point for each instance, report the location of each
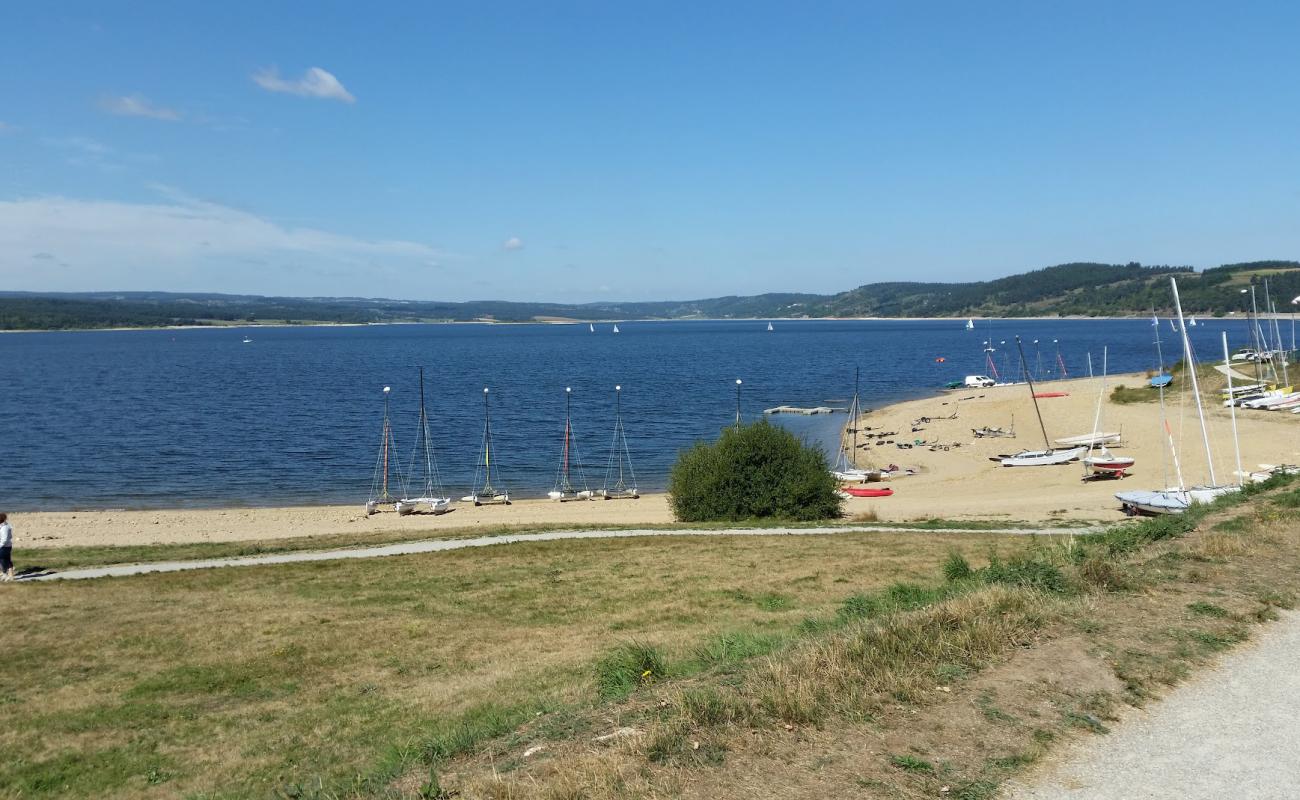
(954, 478)
(235, 326)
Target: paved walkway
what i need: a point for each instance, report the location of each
(1231, 732)
(440, 545)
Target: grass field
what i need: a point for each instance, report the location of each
(265, 680)
(885, 665)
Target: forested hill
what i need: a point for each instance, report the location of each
(1067, 289)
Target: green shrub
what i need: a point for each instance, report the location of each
(956, 567)
(628, 666)
(1022, 570)
(752, 472)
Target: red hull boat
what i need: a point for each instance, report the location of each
(859, 492)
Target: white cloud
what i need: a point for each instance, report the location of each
(513, 243)
(188, 244)
(315, 82)
(136, 106)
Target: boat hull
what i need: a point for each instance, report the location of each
(1169, 501)
(857, 492)
(1043, 458)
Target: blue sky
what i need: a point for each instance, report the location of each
(602, 151)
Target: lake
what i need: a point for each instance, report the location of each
(192, 418)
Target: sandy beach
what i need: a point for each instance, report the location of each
(954, 477)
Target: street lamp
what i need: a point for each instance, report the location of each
(737, 402)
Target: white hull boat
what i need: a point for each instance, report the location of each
(1043, 458)
(857, 475)
(1106, 464)
(433, 505)
(1089, 440)
(1170, 501)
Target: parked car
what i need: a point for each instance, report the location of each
(978, 382)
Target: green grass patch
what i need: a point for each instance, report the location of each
(912, 764)
(628, 666)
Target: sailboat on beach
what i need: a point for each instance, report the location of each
(386, 465)
(1103, 463)
(846, 463)
(565, 489)
(485, 492)
(620, 480)
(1178, 499)
(431, 494)
(1045, 457)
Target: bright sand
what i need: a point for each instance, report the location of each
(958, 483)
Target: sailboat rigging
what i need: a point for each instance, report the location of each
(619, 468)
(1176, 501)
(485, 492)
(846, 463)
(385, 464)
(1047, 456)
(565, 489)
(431, 493)
(1103, 463)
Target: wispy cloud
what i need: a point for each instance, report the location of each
(136, 106)
(5, 127)
(513, 243)
(315, 82)
(183, 242)
(83, 144)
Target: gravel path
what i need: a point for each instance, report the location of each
(1231, 732)
(434, 546)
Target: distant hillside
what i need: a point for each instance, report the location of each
(1067, 289)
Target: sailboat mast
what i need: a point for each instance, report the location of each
(1232, 406)
(618, 429)
(568, 394)
(487, 440)
(1096, 418)
(1160, 355)
(387, 436)
(1046, 444)
(854, 412)
(1190, 364)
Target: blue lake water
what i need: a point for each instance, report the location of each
(175, 418)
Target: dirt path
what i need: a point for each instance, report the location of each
(439, 545)
(1233, 731)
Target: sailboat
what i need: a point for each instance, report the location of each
(769, 326)
(248, 340)
(1192, 322)
(1179, 499)
(564, 486)
(1048, 456)
(615, 327)
(385, 465)
(431, 492)
(619, 468)
(591, 327)
(846, 465)
(486, 492)
(970, 324)
(1103, 463)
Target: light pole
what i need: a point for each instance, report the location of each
(737, 402)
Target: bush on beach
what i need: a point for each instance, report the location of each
(753, 471)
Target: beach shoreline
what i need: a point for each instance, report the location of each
(954, 477)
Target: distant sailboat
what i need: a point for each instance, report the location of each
(1192, 322)
(431, 492)
(619, 469)
(564, 486)
(970, 324)
(485, 491)
(591, 327)
(615, 327)
(385, 465)
(769, 326)
(248, 340)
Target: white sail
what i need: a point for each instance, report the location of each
(616, 327)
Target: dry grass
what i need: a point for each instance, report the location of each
(257, 680)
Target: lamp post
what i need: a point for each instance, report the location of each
(737, 402)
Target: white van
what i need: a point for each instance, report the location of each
(979, 382)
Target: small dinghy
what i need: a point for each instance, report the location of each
(1042, 458)
(431, 495)
(386, 465)
(620, 480)
(486, 493)
(570, 463)
(859, 491)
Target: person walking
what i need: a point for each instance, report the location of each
(6, 548)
